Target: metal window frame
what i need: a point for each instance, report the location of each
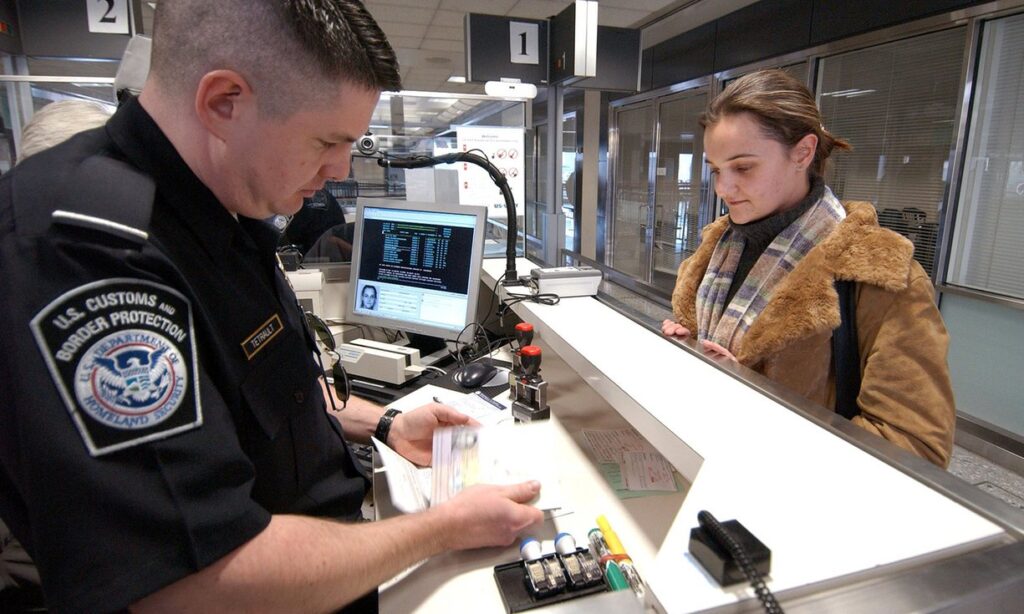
(959, 163)
(653, 99)
(971, 18)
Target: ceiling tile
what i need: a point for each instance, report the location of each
(540, 9)
(490, 7)
(647, 6)
(436, 44)
(448, 34)
(403, 29)
(404, 42)
(619, 18)
(401, 14)
(372, 4)
(450, 19)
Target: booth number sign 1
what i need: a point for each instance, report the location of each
(524, 43)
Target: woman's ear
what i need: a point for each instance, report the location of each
(802, 154)
(224, 102)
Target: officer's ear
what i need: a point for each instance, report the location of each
(223, 100)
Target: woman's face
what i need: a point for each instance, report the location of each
(755, 175)
(369, 296)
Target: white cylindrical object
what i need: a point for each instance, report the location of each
(565, 544)
(529, 549)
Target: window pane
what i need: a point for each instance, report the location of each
(631, 187)
(533, 216)
(989, 230)
(568, 179)
(678, 185)
(896, 104)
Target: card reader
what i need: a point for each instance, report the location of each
(384, 362)
(567, 281)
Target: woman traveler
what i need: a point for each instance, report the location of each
(761, 290)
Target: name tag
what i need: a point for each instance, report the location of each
(259, 339)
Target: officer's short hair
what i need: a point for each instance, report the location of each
(287, 50)
(59, 121)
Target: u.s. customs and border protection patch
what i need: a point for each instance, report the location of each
(122, 355)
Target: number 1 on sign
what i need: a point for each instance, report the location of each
(524, 42)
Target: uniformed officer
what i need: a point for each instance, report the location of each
(163, 438)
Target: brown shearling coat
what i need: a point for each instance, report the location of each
(906, 395)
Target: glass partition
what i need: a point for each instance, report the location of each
(421, 124)
(680, 186)
(896, 104)
(989, 228)
(634, 143)
(29, 84)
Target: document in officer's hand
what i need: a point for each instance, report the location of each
(465, 455)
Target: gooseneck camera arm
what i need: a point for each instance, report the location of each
(511, 277)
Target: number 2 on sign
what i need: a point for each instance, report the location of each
(108, 16)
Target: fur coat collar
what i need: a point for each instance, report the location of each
(805, 303)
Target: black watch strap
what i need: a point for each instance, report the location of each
(384, 426)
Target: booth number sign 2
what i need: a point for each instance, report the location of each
(108, 16)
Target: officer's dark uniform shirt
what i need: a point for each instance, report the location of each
(159, 397)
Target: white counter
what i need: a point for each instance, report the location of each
(828, 510)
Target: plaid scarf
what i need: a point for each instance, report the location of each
(726, 325)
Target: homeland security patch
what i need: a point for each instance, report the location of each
(122, 354)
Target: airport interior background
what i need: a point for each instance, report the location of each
(927, 92)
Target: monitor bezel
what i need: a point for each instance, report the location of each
(475, 266)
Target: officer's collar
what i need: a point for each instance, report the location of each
(146, 146)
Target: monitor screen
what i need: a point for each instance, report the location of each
(416, 266)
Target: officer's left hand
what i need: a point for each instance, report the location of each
(412, 432)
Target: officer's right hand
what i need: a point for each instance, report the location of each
(489, 515)
(674, 329)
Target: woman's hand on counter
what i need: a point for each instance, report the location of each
(674, 329)
(714, 350)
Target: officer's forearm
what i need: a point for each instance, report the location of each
(300, 564)
(360, 419)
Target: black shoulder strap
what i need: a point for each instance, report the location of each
(845, 353)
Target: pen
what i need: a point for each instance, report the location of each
(625, 563)
(612, 572)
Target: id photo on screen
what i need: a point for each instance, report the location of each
(368, 297)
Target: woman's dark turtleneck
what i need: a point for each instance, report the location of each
(759, 234)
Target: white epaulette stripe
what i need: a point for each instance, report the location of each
(99, 223)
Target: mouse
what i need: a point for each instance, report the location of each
(474, 374)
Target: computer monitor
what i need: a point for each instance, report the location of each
(416, 266)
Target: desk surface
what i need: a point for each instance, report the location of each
(464, 581)
(830, 512)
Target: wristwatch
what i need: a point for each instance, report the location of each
(384, 426)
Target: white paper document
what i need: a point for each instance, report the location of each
(465, 456)
(609, 446)
(478, 406)
(648, 471)
(641, 466)
(408, 484)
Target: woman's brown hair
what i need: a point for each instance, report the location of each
(783, 107)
